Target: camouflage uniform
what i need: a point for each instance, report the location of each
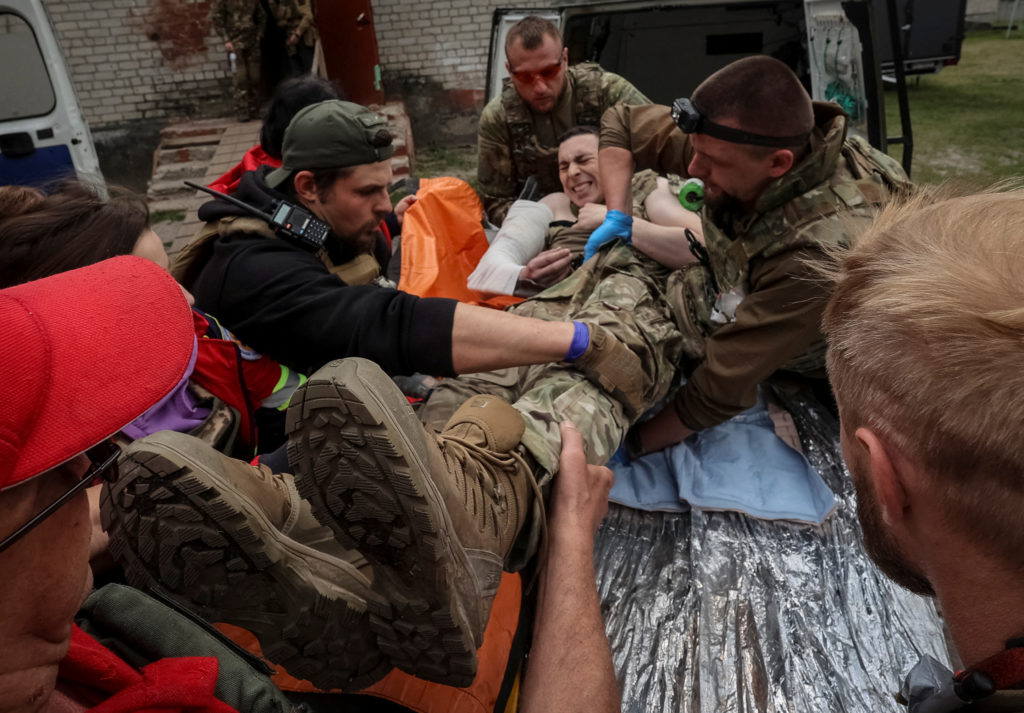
(514, 143)
(296, 16)
(755, 308)
(621, 289)
(241, 22)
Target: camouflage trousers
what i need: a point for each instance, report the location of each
(246, 83)
(620, 289)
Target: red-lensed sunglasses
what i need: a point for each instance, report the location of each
(547, 74)
(103, 458)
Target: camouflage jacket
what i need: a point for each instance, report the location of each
(295, 16)
(240, 22)
(756, 307)
(514, 143)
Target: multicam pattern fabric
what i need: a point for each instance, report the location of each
(514, 143)
(786, 219)
(295, 16)
(620, 289)
(241, 22)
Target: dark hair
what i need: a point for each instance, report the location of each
(291, 96)
(73, 226)
(761, 93)
(324, 178)
(530, 31)
(579, 130)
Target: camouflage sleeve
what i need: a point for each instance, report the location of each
(305, 12)
(618, 90)
(497, 182)
(778, 321)
(649, 133)
(219, 18)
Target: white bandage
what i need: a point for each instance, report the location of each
(520, 239)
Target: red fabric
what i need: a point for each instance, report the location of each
(1005, 668)
(253, 159)
(94, 674)
(70, 346)
(217, 370)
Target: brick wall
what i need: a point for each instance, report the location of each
(437, 64)
(448, 43)
(134, 60)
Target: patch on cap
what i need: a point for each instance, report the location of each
(332, 134)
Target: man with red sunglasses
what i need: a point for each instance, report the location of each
(542, 99)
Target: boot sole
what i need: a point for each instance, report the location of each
(355, 448)
(212, 550)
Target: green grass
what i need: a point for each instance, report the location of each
(968, 120)
(166, 216)
(458, 161)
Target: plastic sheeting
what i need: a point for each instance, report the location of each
(718, 611)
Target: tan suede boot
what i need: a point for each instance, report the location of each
(236, 544)
(436, 516)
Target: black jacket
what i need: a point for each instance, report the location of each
(281, 300)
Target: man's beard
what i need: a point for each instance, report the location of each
(880, 544)
(721, 201)
(362, 242)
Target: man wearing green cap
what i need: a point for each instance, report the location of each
(305, 306)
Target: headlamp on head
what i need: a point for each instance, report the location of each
(691, 120)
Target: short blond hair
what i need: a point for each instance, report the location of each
(926, 348)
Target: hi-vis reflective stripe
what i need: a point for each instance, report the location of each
(283, 389)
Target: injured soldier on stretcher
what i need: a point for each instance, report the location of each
(539, 241)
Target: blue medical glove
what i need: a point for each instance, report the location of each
(616, 225)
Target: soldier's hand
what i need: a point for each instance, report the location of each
(591, 216)
(662, 431)
(579, 500)
(548, 267)
(615, 368)
(616, 225)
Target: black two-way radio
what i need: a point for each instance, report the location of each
(288, 220)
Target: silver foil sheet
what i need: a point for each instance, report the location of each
(718, 611)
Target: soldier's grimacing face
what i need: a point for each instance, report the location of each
(577, 169)
(538, 75)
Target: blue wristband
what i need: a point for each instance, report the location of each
(580, 341)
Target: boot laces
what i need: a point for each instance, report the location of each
(470, 461)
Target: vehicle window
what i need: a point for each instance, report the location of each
(27, 91)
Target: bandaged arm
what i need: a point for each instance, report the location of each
(521, 238)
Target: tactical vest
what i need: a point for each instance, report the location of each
(862, 182)
(361, 270)
(530, 158)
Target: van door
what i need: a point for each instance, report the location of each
(43, 135)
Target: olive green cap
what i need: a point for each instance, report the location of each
(332, 134)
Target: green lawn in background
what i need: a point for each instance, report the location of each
(968, 120)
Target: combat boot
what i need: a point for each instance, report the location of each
(436, 515)
(236, 544)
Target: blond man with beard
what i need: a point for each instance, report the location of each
(925, 330)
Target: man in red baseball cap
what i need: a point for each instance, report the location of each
(78, 372)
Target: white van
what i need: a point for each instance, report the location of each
(43, 135)
(841, 49)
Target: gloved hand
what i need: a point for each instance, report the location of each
(616, 225)
(613, 366)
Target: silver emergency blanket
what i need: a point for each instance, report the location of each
(721, 612)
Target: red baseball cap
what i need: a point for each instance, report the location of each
(84, 353)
